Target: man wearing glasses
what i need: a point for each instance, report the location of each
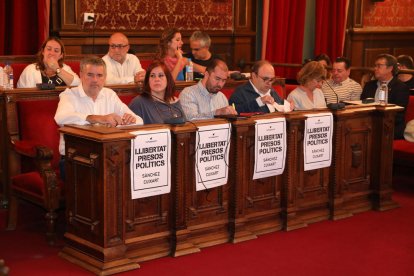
(257, 95)
(200, 53)
(122, 68)
(385, 70)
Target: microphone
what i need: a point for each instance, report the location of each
(175, 119)
(337, 105)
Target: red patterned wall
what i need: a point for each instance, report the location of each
(390, 13)
(151, 15)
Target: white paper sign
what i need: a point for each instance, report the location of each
(212, 156)
(150, 163)
(270, 147)
(317, 144)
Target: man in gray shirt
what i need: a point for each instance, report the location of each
(204, 100)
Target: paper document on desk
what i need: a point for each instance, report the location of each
(285, 107)
(150, 163)
(317, 141)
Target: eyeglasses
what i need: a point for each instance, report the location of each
(378, 65)
(267, 79)
(119, 46)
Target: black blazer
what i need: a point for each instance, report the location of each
(244, 98)
(398, 93)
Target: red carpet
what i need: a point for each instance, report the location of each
(370, 243)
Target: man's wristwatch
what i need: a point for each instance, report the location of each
(58, 71)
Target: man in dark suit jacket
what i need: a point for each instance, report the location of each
(257, 95)
(398, 93)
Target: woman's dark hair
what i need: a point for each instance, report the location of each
(39, 56)
(169, 90)
(165, 38)
(324, 57)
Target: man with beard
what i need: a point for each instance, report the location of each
(204, 100)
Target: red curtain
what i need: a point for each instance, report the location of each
(285, 34)
(330, 24)
(24, 25)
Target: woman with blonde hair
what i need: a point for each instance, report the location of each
(308, 95)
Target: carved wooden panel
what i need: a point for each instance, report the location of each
(158, 15)
(390, 13)
(356, 156)
(403, 51)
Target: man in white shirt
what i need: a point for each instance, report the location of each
(91, 103)
(345, 88)
(121, 67)
(204, 100)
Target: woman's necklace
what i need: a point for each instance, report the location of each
(52, 76)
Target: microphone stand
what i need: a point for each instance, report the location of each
(337, 105)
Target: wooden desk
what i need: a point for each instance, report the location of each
(9, 120)
(107, 232)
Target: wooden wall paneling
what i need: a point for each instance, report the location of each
(404, 51)
(78, 37)
(70, 17)
(372, 53)
(357, 16)
(363, 43)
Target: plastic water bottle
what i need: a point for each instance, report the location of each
(8, 77)
(189, 75)
(383, 94)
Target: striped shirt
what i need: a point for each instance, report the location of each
(348, 90)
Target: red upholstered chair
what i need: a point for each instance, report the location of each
(126, 99)
(403, 149)
(145, 63)
(279, 90)
(290, 88)
(17, 71)
(38, 148)
(227, 92)
(74, 65)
